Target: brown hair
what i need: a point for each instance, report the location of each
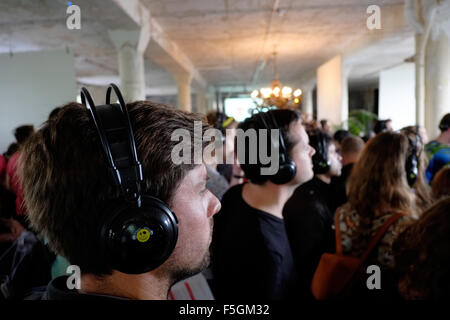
(441, 183)
(66, 179)
(377, 184)
(422, 255)
(283, 118)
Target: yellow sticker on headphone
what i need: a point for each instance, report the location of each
(143, 235)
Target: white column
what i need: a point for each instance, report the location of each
(419, 81)
(332, 92)
(131, 63)
(308, 103)
(344, 98)
(437, 81)
(184, 91)
(201, 102)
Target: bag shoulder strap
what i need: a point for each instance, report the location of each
(380, 233)
(337, 231)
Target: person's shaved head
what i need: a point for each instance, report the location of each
(351, 148)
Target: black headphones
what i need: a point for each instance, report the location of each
(320, 159)
(412, 160)
(287, 168)
(139, 232)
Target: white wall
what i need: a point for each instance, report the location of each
(397, 100)
(31, 85)
(332, 92)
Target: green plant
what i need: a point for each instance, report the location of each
(360, 122)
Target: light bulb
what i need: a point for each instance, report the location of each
(276, 91)
(297, 93)
(254, 94)
(286, 92)
(266, 92)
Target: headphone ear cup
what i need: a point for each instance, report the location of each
(412, 170)
(286, 173)
(138, 240)
(320, 158)
(320, 166)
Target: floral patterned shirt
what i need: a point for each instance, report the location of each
(354, 242)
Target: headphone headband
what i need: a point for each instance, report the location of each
(139, 232)
(275, 125)
(287, 168)
(121, 155)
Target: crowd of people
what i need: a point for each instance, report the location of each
(380, 201)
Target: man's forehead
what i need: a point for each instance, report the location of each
(298, 133)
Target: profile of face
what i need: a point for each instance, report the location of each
(301, 153)
(326, 127)
(335, 161)
(194, 206)
(388, 125)
(423, 135)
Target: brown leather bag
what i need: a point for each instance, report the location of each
(335, 271)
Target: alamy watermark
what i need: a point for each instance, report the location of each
(74, 279)
(73, 21)
(256, 152)
(374, 280)
(374, 20)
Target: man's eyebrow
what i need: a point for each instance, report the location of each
(203, 181)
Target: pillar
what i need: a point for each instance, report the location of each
(437, 81)
(131, 63)
(332, 92)
(308, 103)
(201, 102)
(184, 91)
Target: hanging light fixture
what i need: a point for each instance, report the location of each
(277, 96)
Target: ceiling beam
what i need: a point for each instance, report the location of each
(161, 49)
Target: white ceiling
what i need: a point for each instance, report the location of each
(229, 42)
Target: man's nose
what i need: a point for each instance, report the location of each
(214, 206)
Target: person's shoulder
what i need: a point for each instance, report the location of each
(2, 163)
(431, 145)
(233, 193)
(404, 222)
(12, 162)
(434, 147)
(347, 215)
(305, 190)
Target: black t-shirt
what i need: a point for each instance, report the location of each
(338, 187)
(251, 256)
(309, 228)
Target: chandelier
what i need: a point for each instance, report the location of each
(277, 96)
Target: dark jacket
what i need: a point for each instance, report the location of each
(309, 222)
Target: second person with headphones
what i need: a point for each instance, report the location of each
(251, 256)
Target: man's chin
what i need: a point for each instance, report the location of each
(185, 273)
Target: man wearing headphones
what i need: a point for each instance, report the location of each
(307, 213)
(100, 184)
(251, 257)
(438, 150)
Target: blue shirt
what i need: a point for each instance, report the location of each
(439, 157)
